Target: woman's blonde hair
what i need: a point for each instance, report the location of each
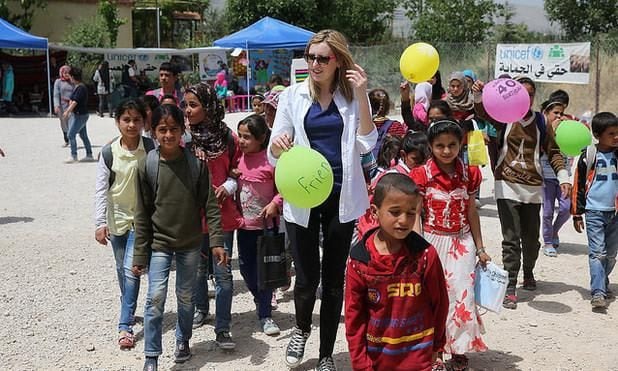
(339, 45)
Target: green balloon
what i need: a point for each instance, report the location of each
(303, 177)
(572, 136)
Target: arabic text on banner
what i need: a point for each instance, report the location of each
(559, 63)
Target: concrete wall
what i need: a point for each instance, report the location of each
(54, 20)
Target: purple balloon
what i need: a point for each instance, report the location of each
(506, 100)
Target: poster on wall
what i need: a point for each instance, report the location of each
(300, 71)
(265, 63)
(210, 64)
(559, 63)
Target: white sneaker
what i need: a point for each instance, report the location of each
(70, 160)
(269, 326)
(88, 159)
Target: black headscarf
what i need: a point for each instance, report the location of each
(211, 134)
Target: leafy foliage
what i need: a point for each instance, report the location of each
(22, 20)
(359, 20)
(583, 17)
(465, 20)
(91, 33)
(108, 10)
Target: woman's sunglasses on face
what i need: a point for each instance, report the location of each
(321, 59)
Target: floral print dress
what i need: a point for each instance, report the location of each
(446, 227)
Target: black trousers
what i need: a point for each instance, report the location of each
(520, 231)
(336, 241)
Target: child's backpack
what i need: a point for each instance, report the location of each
(152, 171)
(381, 135)
(108, 156)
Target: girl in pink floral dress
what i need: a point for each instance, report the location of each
(451, 224)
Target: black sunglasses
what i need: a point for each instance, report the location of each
(321, 59)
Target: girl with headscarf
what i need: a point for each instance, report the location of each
(459, 97)
(422, 98)
(104, 84)
(215, 143)
(63, 88)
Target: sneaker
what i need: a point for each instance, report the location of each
(273, 301)
(224, 340)
(199, 319)
(510, 301)
(269, 326)
(550, 250)
(151, 364)
(65, 145)
(88, 159)
(183, 352)
(598, 302)
(326, 364)
(296, 348)
(529, 284)
(70, 160)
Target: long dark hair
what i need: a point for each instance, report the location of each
(437, 90)
(104, 72)
(257, 127)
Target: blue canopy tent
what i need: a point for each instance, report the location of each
(267, 33)
(12, 37)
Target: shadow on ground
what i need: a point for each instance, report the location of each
(15, 219)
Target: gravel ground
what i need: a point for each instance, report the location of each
(59, 297)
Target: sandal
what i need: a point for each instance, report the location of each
(459, 362)
(438, 365)
(510, 301)
(126, 340)
(550, 251)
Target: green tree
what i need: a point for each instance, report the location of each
(509, 32)
(452, 20)
(90, 33)
(22, 19)
(581, 18)
(108, 9)
(359, 20)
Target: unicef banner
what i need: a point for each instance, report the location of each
(146, 63)
(563, 63)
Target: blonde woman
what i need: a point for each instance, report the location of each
(330, 113)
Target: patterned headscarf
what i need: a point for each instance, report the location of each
(463, 102)
(211, 134)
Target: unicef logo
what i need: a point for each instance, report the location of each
(537, 53)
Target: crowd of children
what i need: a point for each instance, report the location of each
(411, 258)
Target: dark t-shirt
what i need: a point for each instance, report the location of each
(80, 95)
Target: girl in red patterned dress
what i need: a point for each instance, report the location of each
(452, 225)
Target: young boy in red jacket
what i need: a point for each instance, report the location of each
(395, 293)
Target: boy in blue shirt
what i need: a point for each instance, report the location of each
(595, 194)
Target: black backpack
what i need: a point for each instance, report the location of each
(108, 156)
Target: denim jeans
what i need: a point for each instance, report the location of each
(551, 227)
(158, 276)
(77, 125)
(248, 264)
(224, 284)
(602, 231)
(128, 282)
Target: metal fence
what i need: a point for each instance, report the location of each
(382, 65)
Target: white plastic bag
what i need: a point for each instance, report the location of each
(490, 286)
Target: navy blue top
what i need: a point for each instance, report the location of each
(80, 95)
(324, 130)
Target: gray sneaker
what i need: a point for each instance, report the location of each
(199, 319)
(269, 326)
(598, 302)
(326, 364)
(224, 341)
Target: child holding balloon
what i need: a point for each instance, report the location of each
(518, 179)
(553, 109)
(452, 225)
(260, 204)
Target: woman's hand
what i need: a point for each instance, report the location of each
(477, 87)
(358, 78)
(270, 211)
(220, 255)
(281, 144)
(404, 90)
(200, 154)
(102, 235)
(221, 193)
(138, 270)
(484, 258)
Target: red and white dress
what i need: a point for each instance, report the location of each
(446, 227)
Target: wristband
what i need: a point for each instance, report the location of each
(480, 251)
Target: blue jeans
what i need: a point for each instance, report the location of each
(158, 275)
(224, 284)
(247, 262)
(128, 282)
(77, 125)
(602, 231)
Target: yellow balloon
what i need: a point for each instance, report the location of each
(419, 62)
